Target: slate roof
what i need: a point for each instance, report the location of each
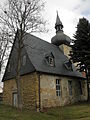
(36, 49)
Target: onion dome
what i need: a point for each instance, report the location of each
(60, 37)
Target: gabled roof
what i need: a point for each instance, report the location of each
(36, 50)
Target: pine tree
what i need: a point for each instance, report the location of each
(81, 49)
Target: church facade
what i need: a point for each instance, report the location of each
(48, 77)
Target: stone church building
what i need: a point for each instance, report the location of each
(48, 77)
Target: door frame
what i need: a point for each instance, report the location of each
(13, 99)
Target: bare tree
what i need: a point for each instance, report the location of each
(4, 47)
(22, 16)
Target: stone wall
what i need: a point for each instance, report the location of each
(48, 97)
(30, 91)
(30, 95)
(9, 87)
(48, 91)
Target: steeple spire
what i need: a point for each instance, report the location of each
(60, 38)
(58, 24)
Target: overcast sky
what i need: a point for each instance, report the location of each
(69, 12)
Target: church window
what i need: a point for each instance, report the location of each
(58, 87)
(70, 87)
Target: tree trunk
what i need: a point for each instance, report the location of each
(19, 96)
(18, 80)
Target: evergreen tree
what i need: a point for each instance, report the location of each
(81, 49)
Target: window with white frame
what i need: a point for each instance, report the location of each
(58, 87)
(70, 87)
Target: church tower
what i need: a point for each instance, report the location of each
(60, 39)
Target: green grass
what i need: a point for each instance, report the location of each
(72, 112)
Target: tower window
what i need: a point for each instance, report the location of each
(58, 88)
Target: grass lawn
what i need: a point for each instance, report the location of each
(72, 112)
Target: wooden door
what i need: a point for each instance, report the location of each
(15, 100)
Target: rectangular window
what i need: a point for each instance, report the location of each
(58, 88)
(80, 88)
(51, 61)
(70, 87)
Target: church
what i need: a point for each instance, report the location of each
(48, 77)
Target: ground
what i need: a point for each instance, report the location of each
(80, 111)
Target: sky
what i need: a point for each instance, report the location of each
(69, 12)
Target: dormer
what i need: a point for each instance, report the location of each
(50, 59)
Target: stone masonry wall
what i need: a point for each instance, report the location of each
(48, 97)
(9, 87)
(30, 91)
(48, 91)
(29, 85)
